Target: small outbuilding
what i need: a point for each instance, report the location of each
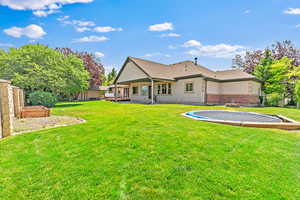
(93, 93)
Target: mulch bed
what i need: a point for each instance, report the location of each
(35, 124)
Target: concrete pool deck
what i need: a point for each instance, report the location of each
(285, 124)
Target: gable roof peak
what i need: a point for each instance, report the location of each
(144, 60)
(182, 62)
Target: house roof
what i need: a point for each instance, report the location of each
(184, 69)
(153, 69)
(103, 87)
(118, 86)
(233, 74)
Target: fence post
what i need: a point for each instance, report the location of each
(6, 108)
(17, 105)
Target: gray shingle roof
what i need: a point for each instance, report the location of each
(185, 69)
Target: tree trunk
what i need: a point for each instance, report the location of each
(264, 101)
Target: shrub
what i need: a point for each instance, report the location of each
(42, 98)
(273, 99)
(297, 93)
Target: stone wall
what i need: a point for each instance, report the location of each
(11, 103)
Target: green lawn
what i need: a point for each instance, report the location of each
(127, 151)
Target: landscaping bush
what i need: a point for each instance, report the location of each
(42, 98)
(273, 99)
(297, 93)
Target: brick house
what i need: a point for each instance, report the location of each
(187, 82)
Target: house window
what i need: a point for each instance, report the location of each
(189, 87)
(169, 88)
(135, 90)
(164, 89)
(158, 89)
(144, 90)
(126, 92)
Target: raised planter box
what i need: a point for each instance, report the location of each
(35, 111)
(118, 99)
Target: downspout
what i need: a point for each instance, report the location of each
(152, 91)
(205, 92)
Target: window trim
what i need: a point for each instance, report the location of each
(185, 87)
(159, 89)
(137, 90)
(169, 88)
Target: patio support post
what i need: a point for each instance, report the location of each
(116, 92)
(152, 91)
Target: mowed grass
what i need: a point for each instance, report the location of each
(127, 151)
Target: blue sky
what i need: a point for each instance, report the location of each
(166, 31)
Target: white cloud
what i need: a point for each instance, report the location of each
(6, 45)
(215, 51)
(54, 6)
(106, 29)
(48, 6)
(83, 26)
(161, 27)
(99, 54)
(32, 31)
(38, 4)
(247, 11)
(172, 47)
(148, 55)
(79, 22)
(91, 38)
(298, 26)
(108, 69)
(82, 29)
(191, 43)
(292, 11)
(63, 18)
(170, 35)
(79, 25)
(44, 13)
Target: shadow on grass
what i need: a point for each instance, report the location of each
(67, 105)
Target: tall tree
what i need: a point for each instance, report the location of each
(274, 75)
(111, 76)
(38, 67)
(286, 49)
(249, 61)
(297, 93)
(278, 51)
(278, 76)
(91, 64)
(262, 72)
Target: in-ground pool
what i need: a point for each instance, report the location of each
(248, 119)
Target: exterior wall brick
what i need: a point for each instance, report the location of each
(233, 98)
(213, 99)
